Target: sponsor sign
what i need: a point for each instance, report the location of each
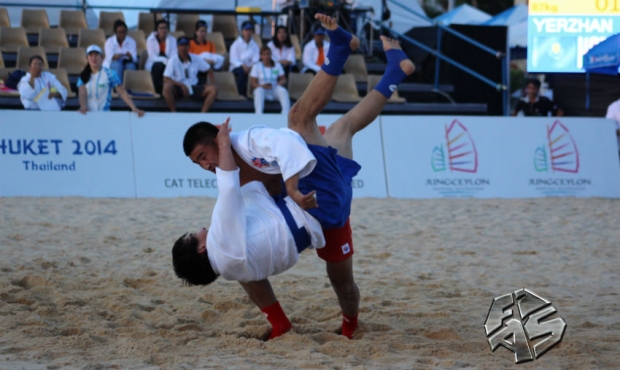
(66, 154)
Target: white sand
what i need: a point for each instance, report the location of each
(87, 283)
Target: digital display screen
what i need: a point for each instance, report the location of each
(560, 32)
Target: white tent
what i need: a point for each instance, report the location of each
(515, 19)
(464, 14)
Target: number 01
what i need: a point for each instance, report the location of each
(603, 5)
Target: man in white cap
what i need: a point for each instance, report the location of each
(244, 53)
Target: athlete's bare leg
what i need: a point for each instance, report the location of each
(302, 116)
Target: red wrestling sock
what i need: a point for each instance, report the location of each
(278, 320)
(349, 324)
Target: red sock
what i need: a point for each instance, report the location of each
(349, 324)
(278, 320)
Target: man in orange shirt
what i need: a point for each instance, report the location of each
(315, 52)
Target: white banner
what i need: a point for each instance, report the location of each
(65, 154)
(162, 168)
(367, 151)
(486, 157)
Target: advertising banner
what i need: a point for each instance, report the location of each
(488, 157)
(163, 169)
(66, 154)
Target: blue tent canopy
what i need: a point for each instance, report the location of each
(603, 58)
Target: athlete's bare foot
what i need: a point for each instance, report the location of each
(406, 65)
(330, 24)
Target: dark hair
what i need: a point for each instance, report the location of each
(35, 57)
(85, 74)
(199, 24)
(199, 133)
(533, 81)
(287, 41)
(265, 48)
(190, 266)
(160, 21)
(119, 23)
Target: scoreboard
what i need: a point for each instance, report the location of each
(560, 32)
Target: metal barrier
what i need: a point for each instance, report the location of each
(501, 56)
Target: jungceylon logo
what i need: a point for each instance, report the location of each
(560, 153)
(461, 154)
(521, 330)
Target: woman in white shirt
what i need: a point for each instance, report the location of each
(268, 79)
(40, 90)
(160, 46)
(121, 52)
(96, 83)
(282, 50)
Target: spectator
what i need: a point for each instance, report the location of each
(160, 46)
(244, 52)
(121, 52)
(181, 77)
(268, 79)
(40, 90)
(315, 51)
(282, 50)
(613, 112)
(204, 48)
(533, 105)
(96, 82)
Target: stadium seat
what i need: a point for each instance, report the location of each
(24, 53)
(373, 80)
(297, 84)
(227, 25)
(34, 19)
(1, 60)
(72, 21)
(346, 90)
(187, 23)
(356, 65)
(72, 60)
(227, 87)
(220, 47)
(257, 39)
(139, 84)
(107, 19)
(296, 45)
(146, 22)
(52, 39)
(63, 78)
(4, 18)
(138, 36)
(177, 34)
(89, 37)
(11, 38)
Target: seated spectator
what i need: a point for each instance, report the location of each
(282, 50)
(315, 51)
(96, 83)
(160, 46)
(244, 52)
(40, 90)
(121, 52)
(535, 105)
(204, 48)
(268, 79)
(181, 77)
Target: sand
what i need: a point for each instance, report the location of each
(88, 284)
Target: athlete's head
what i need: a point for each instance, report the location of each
(200, 146)
(191, 261)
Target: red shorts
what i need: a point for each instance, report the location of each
(338, 244)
